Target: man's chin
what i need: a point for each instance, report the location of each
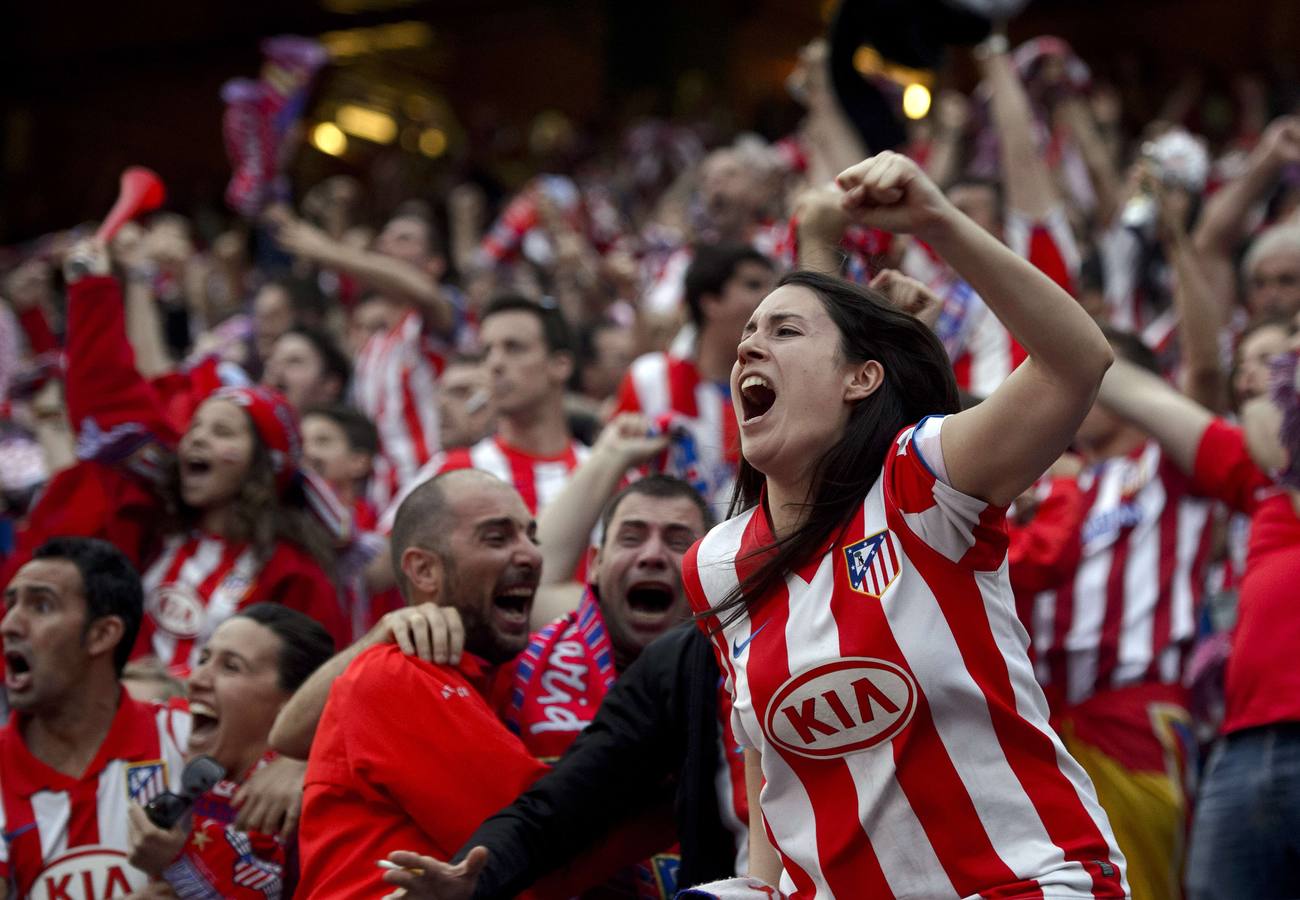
(492, 645)
(504, 647)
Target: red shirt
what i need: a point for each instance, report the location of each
(63, 833)
(200, 580)
(1263, 680)
(1045, 551)
(408, 756)
(395, 383)
(538, 479)
(218, 860)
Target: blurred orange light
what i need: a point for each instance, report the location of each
(328, 138)
(433, 142)
(364, 122)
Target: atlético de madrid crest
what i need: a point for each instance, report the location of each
(873, 563)
(146, 780)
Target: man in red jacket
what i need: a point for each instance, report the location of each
(409, 753)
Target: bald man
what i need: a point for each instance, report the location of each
(409, 753)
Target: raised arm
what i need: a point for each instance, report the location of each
(1175, 421)
(831, 139)
(392, 277)
(1223, 222)
(110, 405)
(1025, 176)
(434, 633)
(1033, 416)
(564, 527)
(1200, 313)
(819, 222)
(951, 115)
(1077, 116)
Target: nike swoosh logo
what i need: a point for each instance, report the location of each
(738, 647)
(10, 836)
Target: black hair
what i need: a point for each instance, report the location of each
(555, 330)
(361, 433)
(660, 486)
(918, 381)
(306, 301)
(585, 352)
(332, 358)
(305, 645)
(712, 266)
(110, 584)
(422, 212)
(1129, 347)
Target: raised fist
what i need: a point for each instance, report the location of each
(1281, 140)
(890, 192)
(88, 256)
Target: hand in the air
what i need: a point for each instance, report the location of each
(890, 192)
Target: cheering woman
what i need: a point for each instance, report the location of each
(199, 484)
(859, 602)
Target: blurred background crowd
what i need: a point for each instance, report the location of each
(469, 235)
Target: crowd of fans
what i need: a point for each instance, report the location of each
(399, 524)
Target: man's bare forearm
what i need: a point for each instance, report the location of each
(295, 726)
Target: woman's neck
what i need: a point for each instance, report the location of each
(244, 767)
(786, 506)
(216, 520)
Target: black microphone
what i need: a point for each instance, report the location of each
(199, 776)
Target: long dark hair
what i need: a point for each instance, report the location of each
(918, 381)
(260, 515)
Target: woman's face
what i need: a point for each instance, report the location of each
(235, 694)
(215, 454)
(791, 388)
(1253, 354)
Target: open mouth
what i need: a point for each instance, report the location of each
(204, 721)
(18, 671)
(651, 599)
(756, 397)
(512, 605)
(196, 467)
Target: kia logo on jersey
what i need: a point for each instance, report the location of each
(841, 707)
(87, 873)
(177, 609)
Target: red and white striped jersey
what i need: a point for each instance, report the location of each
(200, 580)
(67, 837)
(905, 744)
(1128, 615)
(537, 478)
(983, 352)
(395, 383)
(660, 383)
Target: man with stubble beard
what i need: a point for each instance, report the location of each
(463, 540)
